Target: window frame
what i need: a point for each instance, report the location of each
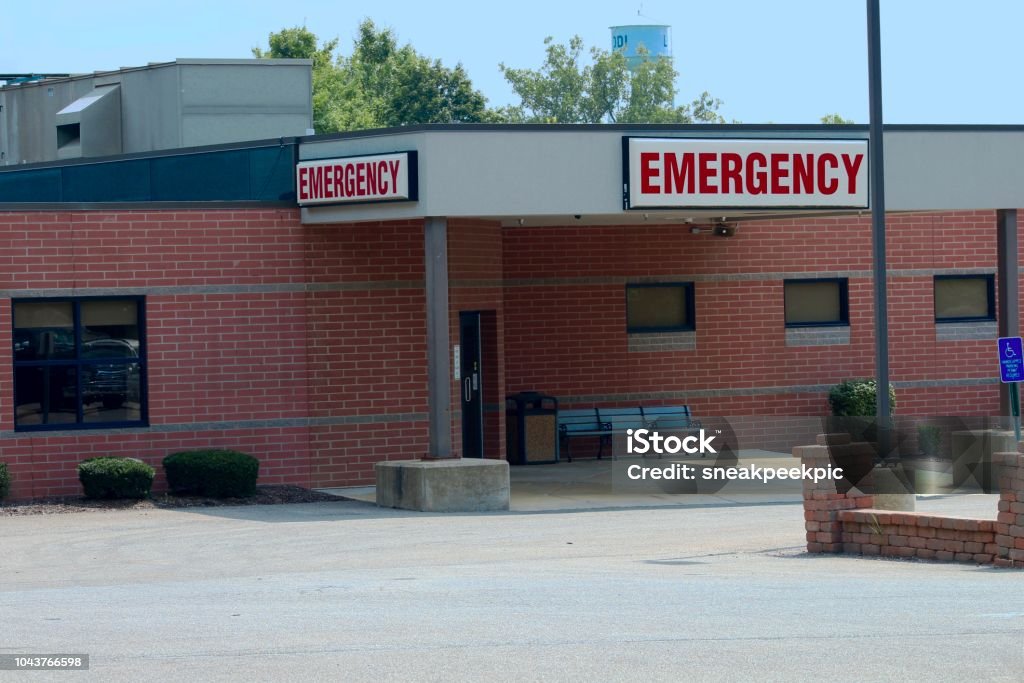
(80, 361)
(844, 302)
(990, 289)
(688, 298)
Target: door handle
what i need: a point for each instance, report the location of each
(467, 390)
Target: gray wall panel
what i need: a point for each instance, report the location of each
(954, 169)
(234, 102)
(149, 109)
(229, 100)
(500, 173)
(212, 129)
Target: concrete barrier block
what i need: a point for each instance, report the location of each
(458, 485)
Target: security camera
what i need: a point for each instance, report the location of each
(723, 230)
(577, 216)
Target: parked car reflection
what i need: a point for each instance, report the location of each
(112, 384)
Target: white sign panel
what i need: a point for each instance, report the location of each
(708, 173)
(350, 180)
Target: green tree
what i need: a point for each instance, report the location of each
(403, 87)
(297, 43)
(563, 90)
(835, 119)
(380, 84)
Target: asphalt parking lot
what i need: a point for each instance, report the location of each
(351, 592)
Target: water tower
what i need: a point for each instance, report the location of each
(655, 39)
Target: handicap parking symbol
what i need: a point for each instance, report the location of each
(1011, 359)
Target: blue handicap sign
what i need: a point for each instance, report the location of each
(1011, 359)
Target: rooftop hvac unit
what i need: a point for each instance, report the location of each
(91, 125)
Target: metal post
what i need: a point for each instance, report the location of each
(1015, 408)
(878, 226)
(1009, 296)
(439, 388)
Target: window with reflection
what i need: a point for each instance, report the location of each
(659, 307)
(78, 363)
(817, 302)
(965, 298)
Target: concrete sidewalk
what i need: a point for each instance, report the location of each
(587, 485)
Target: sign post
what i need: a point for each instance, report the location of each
(878, 267)
(1011, 371)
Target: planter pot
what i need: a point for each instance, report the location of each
(930, 475)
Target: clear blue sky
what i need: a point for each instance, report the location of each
(785, 61)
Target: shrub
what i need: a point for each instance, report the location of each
(856, 398)
(213, 473)
(115, 478)
(928, 438)
(5, 481)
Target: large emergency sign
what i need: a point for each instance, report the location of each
(377, 178)
(712, 173)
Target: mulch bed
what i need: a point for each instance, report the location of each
(265, 495)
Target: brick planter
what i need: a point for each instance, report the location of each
(839, 518)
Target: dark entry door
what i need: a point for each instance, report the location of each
(472, 387)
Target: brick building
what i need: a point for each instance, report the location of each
(168, 301)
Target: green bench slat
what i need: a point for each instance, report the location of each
(605, 422)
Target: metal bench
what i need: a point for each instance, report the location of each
(670, 419)
(583, 422)
(604, 423)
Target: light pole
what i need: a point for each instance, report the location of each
(878, 226)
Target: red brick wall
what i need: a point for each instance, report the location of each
(366, 323)
(224, 357)
(839, 518)
(302, 345)
(908, 534)
(567, 336)
(44, 464)
(475, 284)
(306, 344)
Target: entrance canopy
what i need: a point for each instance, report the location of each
(633, 174)
(702, 176)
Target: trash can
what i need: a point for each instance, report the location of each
(531, 428)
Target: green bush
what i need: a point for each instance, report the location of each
(115, 478)
(5, 481)
(928, 439)
(856, 398)
(213, 473)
